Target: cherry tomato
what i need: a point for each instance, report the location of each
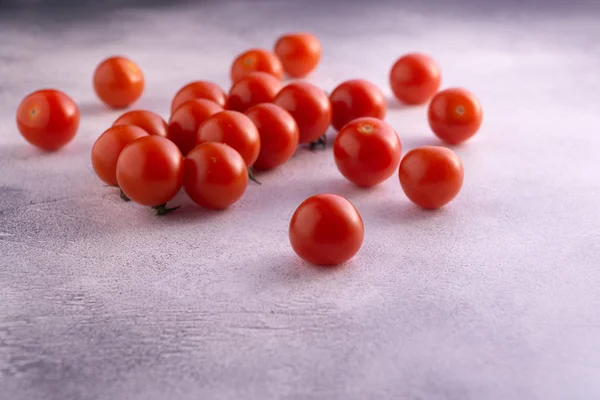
(184, 123)
(299, 53)
(233, 129)
(150, 170)
(252, 89)
(326, 229)
(414, 78)
(48, 119)
(107, 148)
(355, 99)
(310, 107)
(367, 151)
(431, 176)
(215, 175)
(455, 115)
(147, 120)
(199, 90)
(256, 60)
(278, 134)
(118, 82)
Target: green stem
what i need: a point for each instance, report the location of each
(251, 176)
(123, 195)
(320, 142)
(163, 210)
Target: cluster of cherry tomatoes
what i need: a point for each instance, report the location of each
(214, 141)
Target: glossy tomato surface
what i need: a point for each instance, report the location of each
(184, 123)
(118, 82)
(150, 170)
(356, 98)
(367, 151)
(431, 176)
(299, 53)
(108, 147)
(455, 115)
(215, 175)
(147, 120)
(415, 78)
(256, 60)
(252, 89)
(326, 229)
(310, 107)
(199, 90)
(48, 119)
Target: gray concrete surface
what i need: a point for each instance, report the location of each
(494, 297)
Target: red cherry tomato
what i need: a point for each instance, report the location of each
(147, 120)
(215, 175)
(118, 82)
(299, 53)
(150, 170)
(278, 134)
(355, 99)
(431, 176)
(233, 129)
(310, 107)
(256, 60)
(199, 90)
(326, 229)
(252, 89)
(367, 151)
(184, 123)
(107, 148)
(414, 78)
(455, 115)
(48, 119)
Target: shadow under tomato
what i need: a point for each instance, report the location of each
(423, 139)
(96, 109)
(398, 211)
(395, 104)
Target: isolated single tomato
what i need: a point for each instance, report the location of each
(150, 170)
(278, 134)
(326, 229)
(299, 53)
(147, 120)
(215, 175)
(310, 107)
(109, 146)
(48, 119)
(256, 60)
(455, 115)
(431, 176)
(184, 123)
(118, 82)
(356, 98)
(367, 151)
(233, 129)
(414, 78)
(199, 90)
(252, 89)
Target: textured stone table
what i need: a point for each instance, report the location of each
(496, 296)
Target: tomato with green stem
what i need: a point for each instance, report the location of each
(256, 60)
(147, 120)
(184, 123)
(299, 53)
(252, 89)
(199, 90)
(118, 82)
(354, 99)
(415, 78)
(455, 115)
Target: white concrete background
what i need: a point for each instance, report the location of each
(494, 297)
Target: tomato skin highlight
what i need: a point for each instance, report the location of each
(354, 99)
(278, 133)
(147, 120)
(256, 60)
(414, 78)
(233, 129)
(253, 89)
(118, 82)
(431, 176)
(299, 53)
(310, 107)
(48, 119)
(455, 115)
(216, 176)
(367, 151)
(199, 90)
(150, 170)
(108, 147)
(326, 229)
(184, 123)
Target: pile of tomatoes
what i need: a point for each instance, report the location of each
(214, 141)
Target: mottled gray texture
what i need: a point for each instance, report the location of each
(494, 297)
